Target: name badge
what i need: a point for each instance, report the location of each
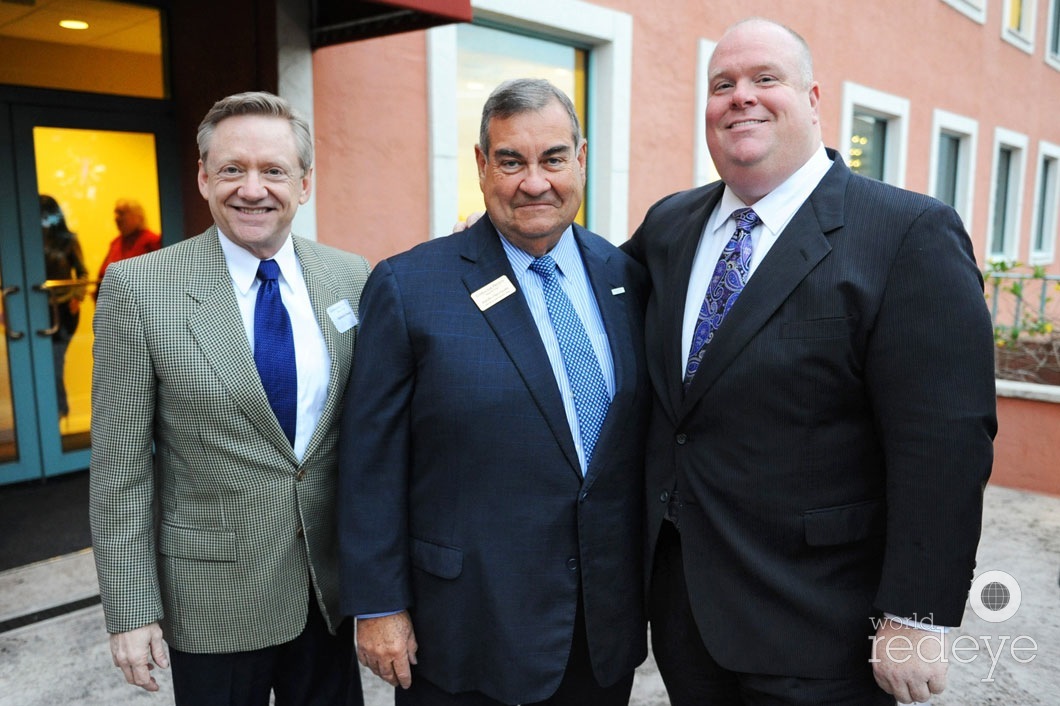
(342, 316)
(493, 292)
(618, 290)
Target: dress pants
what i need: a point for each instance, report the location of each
(315, 669)
(693, 678)
(577, 688)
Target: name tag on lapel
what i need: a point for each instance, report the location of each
(342, 316)
(618, 290)
(493, 292)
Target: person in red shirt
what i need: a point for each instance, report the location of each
(134, 238)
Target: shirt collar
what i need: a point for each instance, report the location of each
(243, 264)
(777, 207)
(564, 252)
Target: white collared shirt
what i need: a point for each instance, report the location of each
(775, 210)
(311, 353)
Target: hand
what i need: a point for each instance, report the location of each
(387, 646)
(908, 663)
(472, 219)
(134, 651)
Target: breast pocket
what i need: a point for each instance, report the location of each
(836, 327)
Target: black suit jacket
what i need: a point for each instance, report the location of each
(832, 449)
(461, 494)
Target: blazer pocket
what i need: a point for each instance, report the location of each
(197, 544)
(839, 327)
(844, 524)
(444, 562)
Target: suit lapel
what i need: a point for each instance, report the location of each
(606, 277)
(797, 251)
(682, 252)
(514, 326)
(323, 292)
(217, 327)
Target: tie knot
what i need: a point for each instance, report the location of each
(544, 266)
(268, 270)
(746, 218)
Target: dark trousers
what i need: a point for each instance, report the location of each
(314, 669)
(578, 687)
(693, 678)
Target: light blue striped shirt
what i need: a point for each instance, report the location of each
(575, 283)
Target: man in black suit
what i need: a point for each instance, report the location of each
(824, 409)
(491, 528)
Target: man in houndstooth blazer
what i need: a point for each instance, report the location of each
(209, 527)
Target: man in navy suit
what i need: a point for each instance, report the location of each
(816, 460)
(491, 524)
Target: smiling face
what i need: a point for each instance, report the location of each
(762, 118)
(253, 181)
(533, 179)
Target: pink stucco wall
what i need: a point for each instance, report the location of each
(370, 118)
(371, 103)
(1025, 450)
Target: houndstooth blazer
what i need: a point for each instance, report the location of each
(202, 517)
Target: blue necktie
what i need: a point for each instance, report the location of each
(579, 359)
(730, 276)
(274, 349)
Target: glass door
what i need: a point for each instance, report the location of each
(86, 190)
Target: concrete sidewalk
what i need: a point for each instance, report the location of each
(66, 660)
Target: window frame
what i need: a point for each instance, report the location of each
(1022, 39)
(966, 130)
(704, 171)
(1052, 36)
(972, 9)
(608, 36)
(1017, 142)
(895, 110)
(1047, 151)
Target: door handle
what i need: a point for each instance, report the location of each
(14, 289)
(59, 291)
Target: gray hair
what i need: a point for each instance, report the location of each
(522, 95)
(257, 103)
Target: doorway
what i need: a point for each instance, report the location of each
(60, 182)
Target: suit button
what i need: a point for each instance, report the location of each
(300, 532)
(572, 564)
(682, 438)
(300, 475)
(664, 496)
(585, 495)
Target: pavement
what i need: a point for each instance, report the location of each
(65, 659)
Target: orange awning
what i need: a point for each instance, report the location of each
(340, 21)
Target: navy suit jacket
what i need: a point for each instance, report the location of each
(461, 495)
(832, 449)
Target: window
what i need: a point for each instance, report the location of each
(1006, 192)
(952, 177)
(704, 166)
(1052, 52)
(102, 47)
(874, 133)
(975, 9)
(485, 58)
(607, 38)
(1044, 230)
(1017, 25)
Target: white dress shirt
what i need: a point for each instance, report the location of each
(311, 353)
(775, 210)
